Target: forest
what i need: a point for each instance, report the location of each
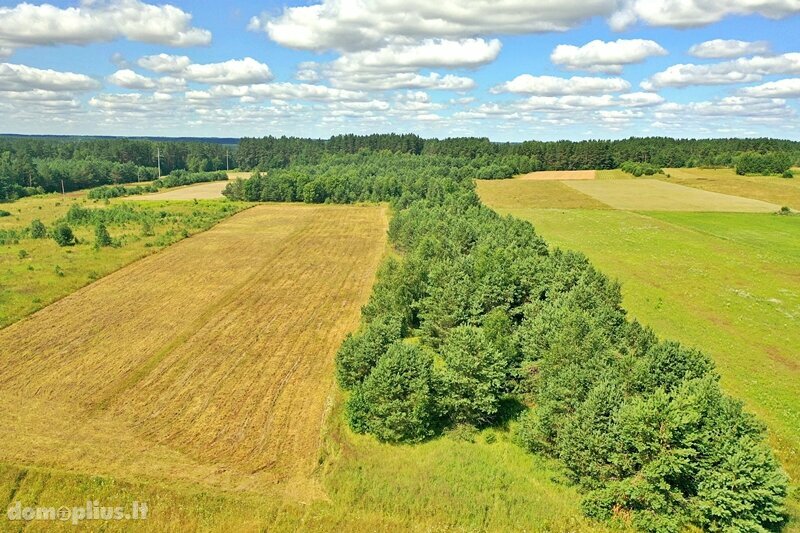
(31, 165)
(477, 322)
(273, 152)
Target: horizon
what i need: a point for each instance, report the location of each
(507, 71)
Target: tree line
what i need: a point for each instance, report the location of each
(282, 152)
(477, 321)
(32, 165)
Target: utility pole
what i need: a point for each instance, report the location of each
(138, 174)
(63, 193)
(227, 162)
(158, 156)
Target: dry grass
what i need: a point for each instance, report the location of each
(558, 175)
(770, 189)
(656, 195)
(510, 194)
(198, 191)
(210, 362)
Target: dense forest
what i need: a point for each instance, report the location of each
(273, 152)
(31, 165)
(477, 322)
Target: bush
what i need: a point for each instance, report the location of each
(63, 235)
(101, 236)
(787, 174)
(38, 230)
(395, 402)
(4, 213)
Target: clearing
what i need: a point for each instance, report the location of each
(657, 195)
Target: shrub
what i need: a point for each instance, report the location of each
(4, 213)
(101, 236)
(22, 254)
(38, 230)
(787, 174)
(63, 235)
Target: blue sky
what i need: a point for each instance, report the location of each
(506, 69)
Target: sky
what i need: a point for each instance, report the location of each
(510, 70)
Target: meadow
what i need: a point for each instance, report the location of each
(37, 272)
(725, 282)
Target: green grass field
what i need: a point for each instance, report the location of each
(727, 283)
(36, 272)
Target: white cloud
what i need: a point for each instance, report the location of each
(350, 25)
(728, 48)
(788, 88)
(164, 63)
(131, 80)
(98, 21)
(428, 53)
(693, 13)
(233, 72)
(731, 106)
(609, 57)
(15, 77)
(742, 70)
(554, 86)
(562, 103)
(641, 99)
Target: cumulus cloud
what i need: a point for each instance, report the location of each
(164, 63)
(398, 65)
(429, 53)
(731, 106)
(728, 48)
(233, 72)
(98, 21)
(348, 25)
(555, 86)
(694, 13)
(787, 88)
(131, 80)
(601, 56)
(742, 70)
(641, 99)
(15, 77)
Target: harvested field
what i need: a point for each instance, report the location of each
(199, 191)
(210, 362)
(558, 175)
(509, 194)
(656, 195)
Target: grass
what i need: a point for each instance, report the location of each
(37, 272)
(653, 194)
(772, 189)
(199, 380)
(727, 283)
(513, 193)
